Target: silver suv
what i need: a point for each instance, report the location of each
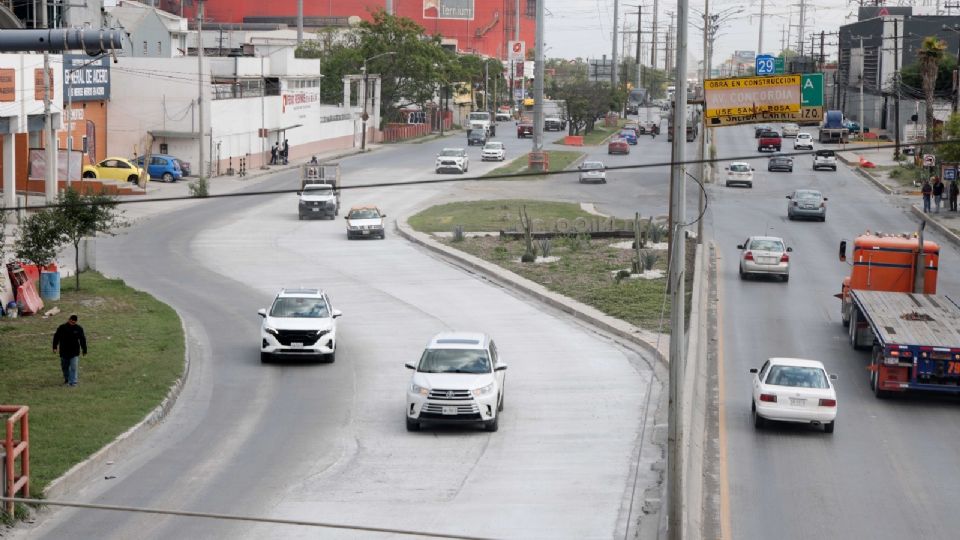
(825, 159)
(300, 323)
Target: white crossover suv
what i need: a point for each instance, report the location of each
(452, 159)
(492, 151)
(300, 323)
(459, 379)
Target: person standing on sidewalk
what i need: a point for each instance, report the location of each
(926, 189)
(70, 341)
(273, 153)
(285, 151)
(937, 193)
(954, 192)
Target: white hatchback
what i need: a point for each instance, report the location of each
(804, 141)
(459, 379)
(794, 390)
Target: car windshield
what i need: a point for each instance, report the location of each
(450, 152)
(807, 195)
(769, 134)
(797, 376)
(825, 153)
(308, 308)
(493, 146)
(454, 361)
(766, 245)
(479, 116)
(318, 188)
(739, 167)
(803, 136)
(781, 158)
(592, 165)
(627, 132)
(366, 213)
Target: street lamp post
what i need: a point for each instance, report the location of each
(365, 116)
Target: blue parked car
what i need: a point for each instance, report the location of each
(163, 167)
(629, 135)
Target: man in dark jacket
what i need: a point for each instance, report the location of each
(69, 341)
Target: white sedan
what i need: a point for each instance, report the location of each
(794, 390)
(804, 141)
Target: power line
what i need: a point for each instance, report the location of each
(236, 517)
(750, 157)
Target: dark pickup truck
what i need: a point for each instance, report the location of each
(525, 128)
(769, 140)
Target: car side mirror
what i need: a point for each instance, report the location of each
(346, 217)
(843, 251)
(383, 215)
(789, 249)
(408, 365)
(739, 246)
(336, 313)
(752, 169)
(299, 193)
(789, 197)
(753, 370)
(262, 313)
(726, 168)
(500, 367)
(825, 199)
(833, 376)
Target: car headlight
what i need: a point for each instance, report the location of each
(271, 331)
(353, 227)
(484, 390)
(321, 333)
(419, 390)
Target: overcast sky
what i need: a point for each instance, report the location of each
(582, 28)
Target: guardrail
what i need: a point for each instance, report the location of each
(13, 449)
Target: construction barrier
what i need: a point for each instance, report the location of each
(13, 449)
(538, 161)
(573, 140)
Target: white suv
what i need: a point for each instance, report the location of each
(825, 159)
(459, 379)
(452, 159)
(301, 323)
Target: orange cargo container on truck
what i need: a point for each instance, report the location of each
(890, 306)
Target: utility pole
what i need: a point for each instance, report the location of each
(863, 62)
(760, 40)
(50, 144)
(702, 154)
(803, 7)
(486, 85)
(263, 115)
(300, 22)
(896, 83)
(538, 72)
(202, 173)
(653, 40)
(821, 59)
(639, 34)
(676, 280)
(616, 27)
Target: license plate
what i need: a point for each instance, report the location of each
(365, 232)
(767, 260)
(797, 402)
(314, 209)
(449, 410)
(296, 345)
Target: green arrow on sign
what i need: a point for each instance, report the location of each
(811, 90)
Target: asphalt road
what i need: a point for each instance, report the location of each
(889, 469)
(327, 442)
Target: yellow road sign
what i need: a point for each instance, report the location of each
(806, 115)
(750, 96)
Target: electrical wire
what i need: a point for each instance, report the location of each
(493, 177)
(237, 517)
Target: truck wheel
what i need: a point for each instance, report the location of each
(828, 427)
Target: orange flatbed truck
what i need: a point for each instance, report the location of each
(893, 310)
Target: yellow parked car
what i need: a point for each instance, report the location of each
(114, 168)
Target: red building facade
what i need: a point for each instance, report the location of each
(476, 26)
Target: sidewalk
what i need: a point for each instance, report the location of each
(945, 222)
(882, 159)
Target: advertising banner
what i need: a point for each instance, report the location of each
(751, 95)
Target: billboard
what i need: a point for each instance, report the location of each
(809, 110)
(448, 9)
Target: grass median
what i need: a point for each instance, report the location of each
(136, 350)
(576, 266)
(558, 159)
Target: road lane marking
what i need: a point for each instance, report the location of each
(722, 427)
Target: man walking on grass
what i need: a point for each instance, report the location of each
(69, 341)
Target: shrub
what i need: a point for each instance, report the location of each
(545, 247)
(621, 275)
(500, 253)
(649, 259)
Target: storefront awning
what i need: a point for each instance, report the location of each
(279, 129)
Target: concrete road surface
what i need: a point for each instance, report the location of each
(326, 442)
(889, 470)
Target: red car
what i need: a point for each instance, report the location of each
(618, 146)
(525, 128)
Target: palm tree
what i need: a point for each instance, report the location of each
(930, 54)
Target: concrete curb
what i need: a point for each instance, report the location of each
(951, 236)
(855, 165)
(645, 339)
(84, 472)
